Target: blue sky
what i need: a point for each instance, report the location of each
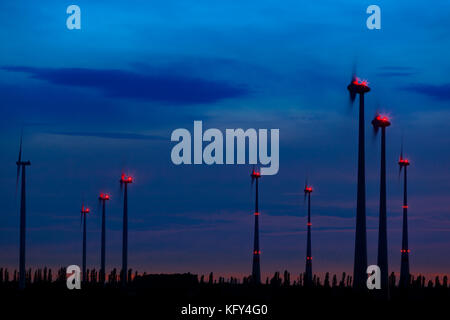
(103, 99)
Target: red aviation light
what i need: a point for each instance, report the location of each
(104, 196)
(256, 213)
(382, 118)
(308, 189)
(309, 224)
(381, 121)
(257, 252)
(405, 207)
(256, 174)
(358, 82)
(308, 258)
(403, 162)
(126, 179)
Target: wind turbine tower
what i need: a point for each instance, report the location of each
(308, 270)
(404, 267)
(256, 268)
(84, 212)
(22, 165)
(355, 87)
(124, 181)
(382, 122)
(103, 198)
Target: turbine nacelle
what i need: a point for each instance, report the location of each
(126, 179)
(403, 162)
(23, 163)
(358, 86)
(308, 189)
(255, 174)
(381, 121)
(103, 196)
(85, 210)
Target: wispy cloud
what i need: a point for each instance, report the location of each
(396, 73)
(112, 135)
(169, 87)
(436, 91)
(396, 68)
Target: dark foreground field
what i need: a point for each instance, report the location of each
(165, 296)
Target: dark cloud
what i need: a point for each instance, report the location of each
(436, 91)
(396, 71)
(396, 74)
(163, 87)
(396, 68)
(112, 135)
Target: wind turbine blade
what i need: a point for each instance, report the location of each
(304, 191)
(17, 178)
(401, 158)
(18, 163)
(375, 130)
(252, 175)
(20, 148)
(401, 149)
(81, 215)
(352, 94)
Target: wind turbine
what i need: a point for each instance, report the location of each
(124, 181)
(382, 122)
(308, 270)
(23, 165)
(256, 268)
(355, 87)
(404, 267)
(84, 212)
(102, 199)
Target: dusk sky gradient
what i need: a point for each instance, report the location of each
(106, 98)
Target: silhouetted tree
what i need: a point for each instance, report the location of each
(130, 272)
(437, 282)
(334, 284)
(392, 280)
(275, 281)
(342, 283)
(326, 282)
(287, 279)
(211, 278)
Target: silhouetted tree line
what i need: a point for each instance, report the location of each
(47, 276)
